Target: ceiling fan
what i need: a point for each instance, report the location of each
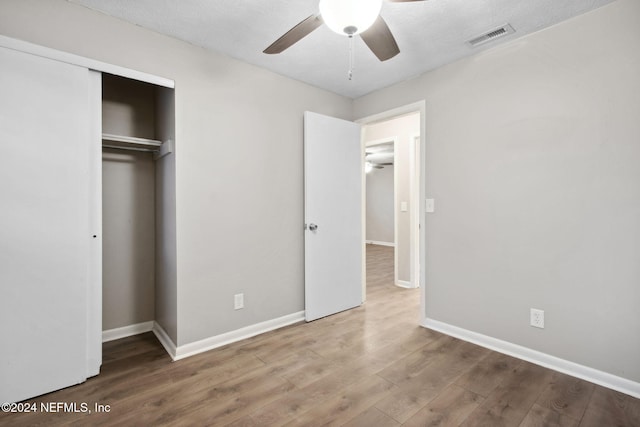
(347, 17)
(377, 157)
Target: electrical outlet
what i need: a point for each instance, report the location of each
(537, 318)
(238, 301)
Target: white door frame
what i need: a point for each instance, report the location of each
(414, 214)
(415, 107)
(81, 61)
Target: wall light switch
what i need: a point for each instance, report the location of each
(238, 301)
(403, 207)
(430, 205)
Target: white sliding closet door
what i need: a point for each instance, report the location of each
(47, 225)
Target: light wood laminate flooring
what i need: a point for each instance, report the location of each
(370, 366)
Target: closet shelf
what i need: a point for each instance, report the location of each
(122, 142)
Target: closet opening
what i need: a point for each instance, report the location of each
(138, 208)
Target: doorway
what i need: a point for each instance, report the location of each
(404, 127)
(138, 185)
(325, 136)
(390, 169)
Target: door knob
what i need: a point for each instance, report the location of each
(313, 227)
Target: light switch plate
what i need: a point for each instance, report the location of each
(430, 205)
(403, 207)
(238, 301)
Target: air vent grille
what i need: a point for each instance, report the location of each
(491, 35)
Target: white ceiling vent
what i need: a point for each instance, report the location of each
(494, 34)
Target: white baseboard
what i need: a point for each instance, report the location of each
(405, 284)
(165, 340)
(604, 379)
(376, 242)
(126, 331)
(191, 349)
(210, 343)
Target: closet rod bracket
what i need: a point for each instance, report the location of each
(165, 148)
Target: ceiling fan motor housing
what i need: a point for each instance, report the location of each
(350, 30)
(349, 17)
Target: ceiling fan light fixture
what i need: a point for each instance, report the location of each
(350, 17)
(368, 167)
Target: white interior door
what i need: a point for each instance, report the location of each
(46, 239)
(333, 215)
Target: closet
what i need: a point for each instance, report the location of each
(137, 141)
(57, 112)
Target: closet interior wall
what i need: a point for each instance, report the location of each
(135, 207)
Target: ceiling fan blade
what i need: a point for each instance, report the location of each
(295, 34)
(380, 40)
(376, 150)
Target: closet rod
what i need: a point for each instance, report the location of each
(131, 141)
(158, 148)
(120, 147)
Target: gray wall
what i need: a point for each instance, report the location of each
(532, 155)
(166, 287)
(128, 244)
(379, 216)
(239, 136)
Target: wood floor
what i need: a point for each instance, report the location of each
(371, 366)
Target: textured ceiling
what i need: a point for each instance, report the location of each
(430, 34)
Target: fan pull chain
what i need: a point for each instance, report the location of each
(351, 58)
